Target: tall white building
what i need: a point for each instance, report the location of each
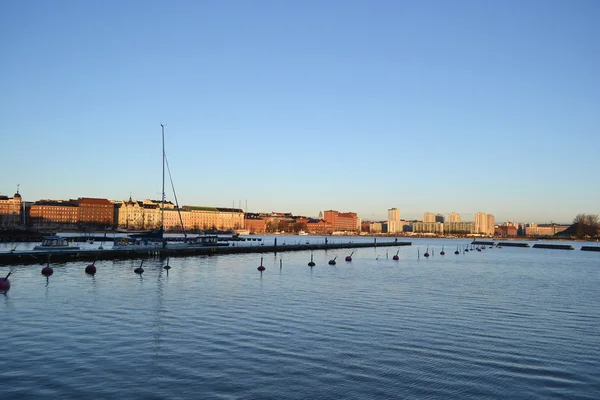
(428, 217)
(394, 220)
(454, 217)
(484, 223)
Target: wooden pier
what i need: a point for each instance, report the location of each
(38, 257)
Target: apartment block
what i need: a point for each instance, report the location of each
(428, 217)
(394, 221)
(342, 222)
(428, 227)
(453, 217)
(484, 223)
(459, 228)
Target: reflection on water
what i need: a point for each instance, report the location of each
(500, 323)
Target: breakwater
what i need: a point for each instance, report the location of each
(553, 246)
(37, 257)
(590, 248)
(513, 244)
(484, 242)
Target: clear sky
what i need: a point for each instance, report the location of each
(303, 106)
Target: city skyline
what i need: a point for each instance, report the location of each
(393, 214)
(428, 107)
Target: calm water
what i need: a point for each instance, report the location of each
(496, 324)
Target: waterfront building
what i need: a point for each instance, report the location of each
(428, 227)
(130, 214)
(453, 217)
(94, 211)
(375, 227)
(54, 213)
(394, 221)
(459, 228)
(152, 215)
(544, 230)
(276, 220)
(365, 226)
(506, 231)
(134, 214)
(484, 223)
(439, 218)
(341, 222)
(204, 218)
(319, 227)
(10, 211)
(428, 217)
(85, 211)
(255, 225)
(149, 215)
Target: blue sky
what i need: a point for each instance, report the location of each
(303, 106)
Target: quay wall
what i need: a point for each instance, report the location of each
(37, 257)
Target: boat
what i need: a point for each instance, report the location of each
(130, 243)
(199, 241)
(154, 239)
(55, 243)
(302, 233)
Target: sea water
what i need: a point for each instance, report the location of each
(492, 324)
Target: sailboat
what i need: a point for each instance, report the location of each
(154, 239)
(200, 240)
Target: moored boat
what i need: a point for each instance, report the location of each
(199, 241)
(55, 243)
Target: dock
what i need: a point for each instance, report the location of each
(62, 256)
(553, 246)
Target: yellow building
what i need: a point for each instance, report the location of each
(148, 215)
(134, 214)
(428, 217)
(10, 211)
(454, 217)
(375, 227)
(215, 218)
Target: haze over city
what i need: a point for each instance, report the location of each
(306, 106)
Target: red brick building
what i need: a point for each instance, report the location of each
(255, 225)
(319, 227)
(53, 212)
(94, 211)
(85, 210)
(504, 230)
(342, 222)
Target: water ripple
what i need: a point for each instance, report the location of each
(501, 324)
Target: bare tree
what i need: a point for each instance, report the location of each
(587, 225)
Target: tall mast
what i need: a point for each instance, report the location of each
(162, 202)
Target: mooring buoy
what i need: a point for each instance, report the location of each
(91, 268)
(139, 270)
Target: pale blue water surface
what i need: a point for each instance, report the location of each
(496, 324)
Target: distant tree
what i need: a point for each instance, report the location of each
(586, 225)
